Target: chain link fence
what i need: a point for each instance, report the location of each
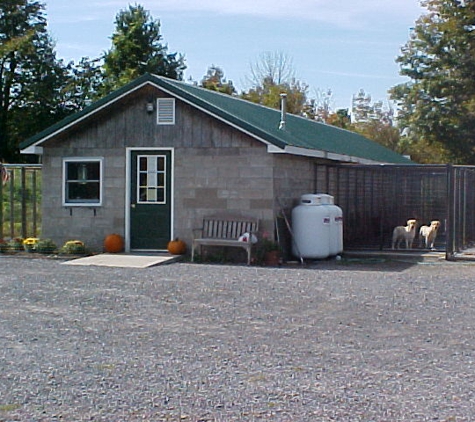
(376, 198)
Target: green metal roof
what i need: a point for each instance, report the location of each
(301, 135)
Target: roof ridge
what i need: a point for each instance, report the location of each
(253, 104)
(225, 111)
(305, 136)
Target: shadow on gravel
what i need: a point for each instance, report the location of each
(357, 264)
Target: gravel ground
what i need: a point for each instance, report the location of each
(341, 341)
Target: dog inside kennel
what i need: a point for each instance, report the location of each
(396, 207)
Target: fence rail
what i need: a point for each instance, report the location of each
(20, 201)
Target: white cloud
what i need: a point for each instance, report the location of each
(337, 12)
(343, 13)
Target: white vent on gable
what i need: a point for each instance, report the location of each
(166, 111)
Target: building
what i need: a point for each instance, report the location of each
(151, 159)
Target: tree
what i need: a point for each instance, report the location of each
(83, 84)
(361, 108)
(272, 75)
(30, 76)
(341, 118)
(137, 49)
(437, 105)
(276, 67)
(320, 107)
(215, 81)
(38, 100)
(268, 94)
(376, 122)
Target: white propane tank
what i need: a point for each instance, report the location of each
(336, 225)
(311, 228)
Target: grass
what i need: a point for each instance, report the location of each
(21, 195)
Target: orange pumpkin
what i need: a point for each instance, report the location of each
(176, 247)
(114, 243)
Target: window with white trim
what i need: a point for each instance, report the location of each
(82, 181)
(166, 111)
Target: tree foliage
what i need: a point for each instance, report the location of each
(137, 49)
(319, 107)
(268, 94)
(83, 84)
(376, 122)
(214, 80)
(340, 118)
(272, 75)
(30, 75)
(437, 105)
(37, 89)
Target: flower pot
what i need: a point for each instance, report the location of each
(272, 258)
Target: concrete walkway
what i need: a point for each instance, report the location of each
(125, 260)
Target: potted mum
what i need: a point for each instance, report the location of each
(30, 243)
(271, 253)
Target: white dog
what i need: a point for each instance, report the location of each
(404, 233)
(429, 233)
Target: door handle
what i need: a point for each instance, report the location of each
(132, 205)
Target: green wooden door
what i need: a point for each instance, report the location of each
(150, 199)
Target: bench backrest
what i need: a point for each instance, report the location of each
(227, 227)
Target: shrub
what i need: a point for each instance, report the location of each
(46, 246)
(74, 247)
(3, 246)
(16, 244)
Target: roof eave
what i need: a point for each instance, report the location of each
(72, 120)
(33, 149)
(323, 154)
(28, 147)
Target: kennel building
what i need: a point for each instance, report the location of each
(376, 198)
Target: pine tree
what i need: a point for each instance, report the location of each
(137, 49)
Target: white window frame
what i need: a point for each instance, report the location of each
(153, 176)
(97, 203)
(165, 111)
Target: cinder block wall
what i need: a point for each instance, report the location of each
(216, 169)
(88, 224)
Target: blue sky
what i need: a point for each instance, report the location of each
(342, 45)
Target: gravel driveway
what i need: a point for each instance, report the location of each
(182, 342)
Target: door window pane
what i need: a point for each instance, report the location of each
(151, 179)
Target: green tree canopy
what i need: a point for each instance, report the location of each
(268, 94)
(272, 75)
(30, 76)
(340, 118)
(376, 122)
(437, 105)
(137, 49)
(215, 81)
(83, 84)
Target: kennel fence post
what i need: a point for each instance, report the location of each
(450, 238)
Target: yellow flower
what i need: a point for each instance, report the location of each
(31, 241)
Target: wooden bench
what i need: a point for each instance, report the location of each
(225, 231)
